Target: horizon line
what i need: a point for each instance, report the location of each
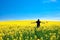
(31, 19)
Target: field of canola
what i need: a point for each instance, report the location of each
(26, 30)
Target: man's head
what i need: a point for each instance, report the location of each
(38, 19)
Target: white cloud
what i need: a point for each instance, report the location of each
(53, 0)
(49, 1)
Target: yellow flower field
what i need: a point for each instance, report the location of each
(27, 30)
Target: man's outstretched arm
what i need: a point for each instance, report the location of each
(44, 22)
(33, 22)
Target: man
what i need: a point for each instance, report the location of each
(38, 23)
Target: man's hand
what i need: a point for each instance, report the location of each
(33, 22)
(44, 22)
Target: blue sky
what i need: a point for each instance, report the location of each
(29, 9)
